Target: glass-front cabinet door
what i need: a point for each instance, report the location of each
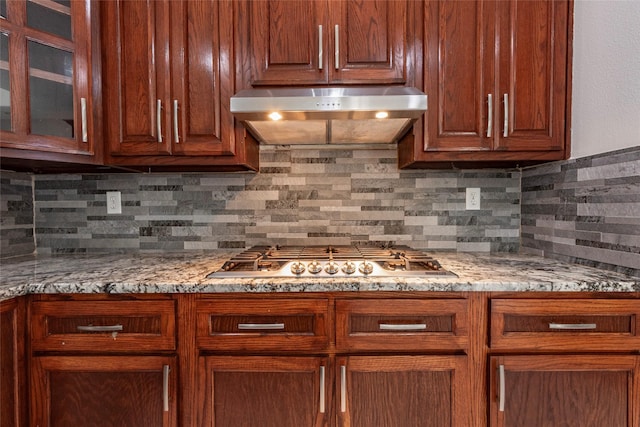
(46, 76)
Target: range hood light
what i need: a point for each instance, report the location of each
(275, 116)
(382, 115)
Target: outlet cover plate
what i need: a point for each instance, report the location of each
(114, 202)
(473, 199)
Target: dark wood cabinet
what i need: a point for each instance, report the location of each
(327, 42)
(169, 73)
(565, 390)
(497, 75)
(397, 391)
(13, 406)
(265, 391)
(50, 83)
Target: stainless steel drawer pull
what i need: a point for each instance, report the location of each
(569, 326)
(165, 388)
(343, 388)
(402, 327)
(322, 402)
(108, 328)
(501, 388)
(260, 326)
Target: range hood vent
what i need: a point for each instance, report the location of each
(329, 115)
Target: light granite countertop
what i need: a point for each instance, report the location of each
(186, 273)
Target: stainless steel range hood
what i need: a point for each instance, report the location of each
(329, 115)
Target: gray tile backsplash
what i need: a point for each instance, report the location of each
(16, 214)
(300, 196)
(585, 211)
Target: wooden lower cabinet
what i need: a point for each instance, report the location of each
(105, 391)
(565, 390)
(402, 391)
(12, 367)
(264, 391)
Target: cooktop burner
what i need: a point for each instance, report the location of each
(330, 261)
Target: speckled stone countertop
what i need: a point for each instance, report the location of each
(186, 273)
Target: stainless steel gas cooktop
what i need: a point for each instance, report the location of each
(330, 261)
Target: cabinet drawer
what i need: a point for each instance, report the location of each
(99, 326)
(289, 324)
(401, 324)
(592, 325)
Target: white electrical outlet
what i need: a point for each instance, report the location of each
(473, 198)
(114, 202)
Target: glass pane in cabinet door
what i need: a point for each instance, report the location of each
(3, 9)
(51, 90)
(5, 87)
(52, 16)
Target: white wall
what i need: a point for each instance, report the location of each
(606, 76)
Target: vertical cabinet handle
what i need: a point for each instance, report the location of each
(501, 388)
(320, 52)
(83, 115)
(322, 402)
(159, 119)
(489, 115)
(343, 388)
(505, 132)
(337, 47)
(165, 388)
(175, 121)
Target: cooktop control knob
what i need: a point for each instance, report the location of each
(366, 268)
(332, 267)
(297, 267)
(314, 267)
(349, 267)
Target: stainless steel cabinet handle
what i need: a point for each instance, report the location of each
(260, 326)
(501, 390)
(159, 119)
(165, 388)
(175, 121)
(343, 388)
(91, 328)
(320, 52)
(402, 327)
(505, 132)
(489, 115)
(322, 402)
(569, 326)
(336, 48)
(83, 114)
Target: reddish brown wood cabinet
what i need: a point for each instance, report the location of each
(49, 80)
(320, 42)
(108, 361)
(13, 388)
(497, 75)
(169, 74)
(564, 362)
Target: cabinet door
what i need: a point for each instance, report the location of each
(567, 391)
(12, 369)
(46, 77)
(202, 62)
(459, 75)
(135, 41)
(369, 42)
(288, 42)
(103, 391)
(532, 75)
(264, 391)
(403, 391)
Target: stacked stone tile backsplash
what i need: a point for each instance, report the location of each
(16, 214)
(585, 211)
(300, 196)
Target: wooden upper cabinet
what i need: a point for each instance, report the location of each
(169, 73)
(326, 42)
(497, 76)
(49, 81)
